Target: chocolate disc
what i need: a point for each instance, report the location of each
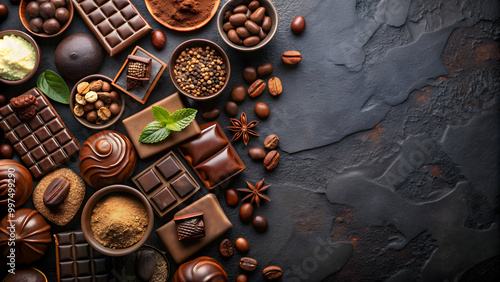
(20, 179)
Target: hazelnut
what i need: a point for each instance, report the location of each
(104, 113)
(96, 85)
(114, 108)
(92, 116)
(80, 99)
(78, 110)
(105, 97)
(88, 107)
(83, 88)
(98, 104)
(91, 97)
(106, 87)
(114, 95)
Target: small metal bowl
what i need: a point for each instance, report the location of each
(87, 123)
(26, 23)
(89, 208)
(37, 52)
(230, 5)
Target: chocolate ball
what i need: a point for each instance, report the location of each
(6, 151)
(62, 15)
(58, 3)
(51, 26)
(200, 270)
(47, 10)
(36, 25)
(73, 54)
(22, 178)
(4, 11)
(242, 245)
(107, 157)
(26, 274)
(33, 9)
(260, 224)
(3, 99)
(32, 236)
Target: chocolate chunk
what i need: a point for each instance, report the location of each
(149, 181)
(183, 185)
(190, 226)
(164, 199)
(168, 167)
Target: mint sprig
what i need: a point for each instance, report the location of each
(165, 122)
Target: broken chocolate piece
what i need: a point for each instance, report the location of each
(190, 226)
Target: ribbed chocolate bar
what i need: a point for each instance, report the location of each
(77, 261)
(43, 142)
(115, 23)
(190, 226)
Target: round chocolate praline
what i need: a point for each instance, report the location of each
(23, 181)
(199, 269)
(26, 274)
(36, 25)
(107, 157)
(33, 9)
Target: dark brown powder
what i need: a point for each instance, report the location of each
(182, 13)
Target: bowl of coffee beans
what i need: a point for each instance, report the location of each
(199, 69)
(247, 25)
(95, 103)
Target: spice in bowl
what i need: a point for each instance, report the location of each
(200, 71)
(17, 57)
(119, 221)
(96, 101)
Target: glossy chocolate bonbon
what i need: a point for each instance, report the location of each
(201, 269)
(115, 23)
(107, 158)
(78, 261)
(212, 156)
(166, 184)
(22, 181)
(43, 141)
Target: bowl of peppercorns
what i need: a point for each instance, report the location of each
(95, 103)
(199, 69)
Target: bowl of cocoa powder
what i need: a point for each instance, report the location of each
(117, 220)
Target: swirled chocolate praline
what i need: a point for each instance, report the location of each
(107, 158)
(16, 176)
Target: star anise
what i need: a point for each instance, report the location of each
(242, 128)
(255, 192)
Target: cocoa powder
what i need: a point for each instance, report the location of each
(182, 13)
(119, 221)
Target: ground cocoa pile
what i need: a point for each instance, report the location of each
(119, 221)
(182, 13)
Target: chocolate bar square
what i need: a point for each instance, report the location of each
(168, 167)
(190, 226)
(183, 185)
(164, 199)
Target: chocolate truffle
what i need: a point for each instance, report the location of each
(26, 275)
(22, 180)
(32, 236)
(107, 158)
(200, 270)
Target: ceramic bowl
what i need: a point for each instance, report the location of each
(197, 43)
(230, 5)
(25, 20)
(82, 119)
(87, 214)
(37, 52)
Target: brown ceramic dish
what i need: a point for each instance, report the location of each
(195, 43)
(229, 6)
(87, 214)
(37, 51)
(26, 22)
(87, 123)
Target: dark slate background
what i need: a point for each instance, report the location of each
(389, 133)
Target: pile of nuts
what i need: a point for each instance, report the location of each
(200, 71)
(96, 101)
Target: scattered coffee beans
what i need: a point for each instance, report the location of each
(232, 198)
(262, 110)
(246, 212)
(242, 245)
(265, 69)
(249, 74)
(241, 278)
(238, 93)
(211, 114)
(256, 88)
(248, 264)
(260, 224)
(291, 57)
(298, 25)
(256, 153)
(246, 26)
(272, 160)
(275, 87)
(158, 39)
(231, 108)
(272, 272)
(271, 142)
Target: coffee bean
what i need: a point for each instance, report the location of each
(254, 5)
(238, 19)
(158, 39)
(243, 32)
(226, 248)
(248, 264)
(265, 69)
(238, 93)
(256, 88)
(231, 109)
(233, 36)
(211, 114)
(267, 24)
(291, 57)
(262, 110)
(275, 86)
(258, 16)
(272, 272)
(256, 153)
(242, 245)
(232, 198)
(260, 224)
(241, 278)
(6, 151)
(298, 25)
(227, 14)
(272, 160)
(251, 41)
(240, 9)
(252, 27)
(249, 74)
(227, 27)
(246, 212)
(56, 192)
(262, 34)
(271, 142)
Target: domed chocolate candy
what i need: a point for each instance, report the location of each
(32, 236)
(19, 178)
(107, 158)
(202, 269)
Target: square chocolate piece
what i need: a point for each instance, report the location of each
(190, 226)
(183, 185)
(168, 167)
(164, 199)
(149, 181)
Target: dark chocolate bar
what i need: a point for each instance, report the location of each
(43, 141)
(190, 226)
(115, 23)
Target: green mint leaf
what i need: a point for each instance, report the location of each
(161, 114)
(180, 119)
(53, 86)
(154, 132)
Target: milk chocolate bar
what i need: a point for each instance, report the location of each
(190, 226)
(115, 23)
(43, 141)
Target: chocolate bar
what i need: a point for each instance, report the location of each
(115, 23)
(136, 123)
(138, 71)
(212, 156)
(166, 184)
(216, 224)
(190, 226)
(78, 261)
(43, 141)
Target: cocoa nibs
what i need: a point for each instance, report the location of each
(200, 71)
(119, 221)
